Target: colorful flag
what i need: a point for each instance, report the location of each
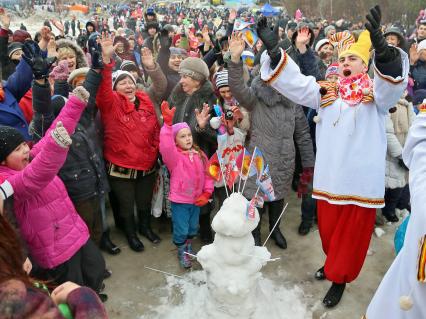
(231, 171)
(251, 209)
(265, 184)
(250, 37)
(258, 162)
(248, 58)
(243, 162)
(213, 168)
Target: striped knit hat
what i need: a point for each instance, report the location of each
(333, 69)
(221, 78)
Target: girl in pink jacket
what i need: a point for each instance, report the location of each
(190, 186)
(57, 238)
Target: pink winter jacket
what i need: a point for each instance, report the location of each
(188, 179)
(47, 219)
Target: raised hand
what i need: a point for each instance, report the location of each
(302, 39)
(147, 58)
(268, 37)
(33, 56)
(4, 19)
(376, 34)
(108, 48)
(414, 55)
(203, 117)
(168, 113)
(232, 16)
(165, 40)
(81, 93)
(236, 46)
(51, 48)
(60, 72)
(61, 136)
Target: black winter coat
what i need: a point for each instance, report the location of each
(83, 172)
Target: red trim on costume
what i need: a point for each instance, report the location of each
(421, 263)
(347, 198)
(279, 69)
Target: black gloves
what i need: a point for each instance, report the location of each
(383, 52)
(165, 40)
(96, 55)
(33, 56)
(270, 41)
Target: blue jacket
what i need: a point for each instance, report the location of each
(15, 88)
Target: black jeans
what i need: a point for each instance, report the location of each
(85, 268)
(127, 192)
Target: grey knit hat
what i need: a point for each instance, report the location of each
(221, 78)
(194, 68)
(328, 29)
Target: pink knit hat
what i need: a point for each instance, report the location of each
(179, 126)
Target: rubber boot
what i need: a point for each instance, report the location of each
(183, 258)
(276, 235)
(144, 216)
(107, 245)
(189, 249)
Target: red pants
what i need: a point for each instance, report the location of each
(345, 232)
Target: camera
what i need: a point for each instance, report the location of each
(229, 115)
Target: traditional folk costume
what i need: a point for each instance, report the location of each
(405, 281)
(349, 177)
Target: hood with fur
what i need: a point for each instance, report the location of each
(80, 56)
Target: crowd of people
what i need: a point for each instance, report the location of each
(93, 117)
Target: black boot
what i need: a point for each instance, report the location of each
(304, 228)
(256, 235)
(107, 245)
(277, 236)
(206, 235)
(320, 274)
(135, 243)
(145, 229)
(334, 294)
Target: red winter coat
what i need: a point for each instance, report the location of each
(131, 137)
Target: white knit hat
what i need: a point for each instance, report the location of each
(119, 75)
(321, 43)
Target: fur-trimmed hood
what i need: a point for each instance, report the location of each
(80, 56)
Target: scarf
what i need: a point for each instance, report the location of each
(353, 89)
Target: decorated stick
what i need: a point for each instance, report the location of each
(248, 170)
(223, 176)
(276, 223)
(241, 170)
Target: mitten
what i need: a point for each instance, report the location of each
(60, 72)
(61, 136)
(81, 93)
(305, 180)
(167, 113)
(33, 56)
(383, 52)
(270, 40)
(202, 200)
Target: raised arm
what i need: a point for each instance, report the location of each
(44, 167)
(235, 74)
(159, 81)
(42, 108)
(168, 148)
